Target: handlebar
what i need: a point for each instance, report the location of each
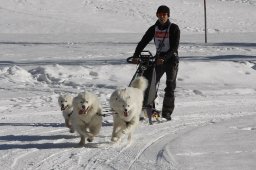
(144, 56)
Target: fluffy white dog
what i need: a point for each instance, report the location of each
(65, 103)
(127, 105)
(87, 116)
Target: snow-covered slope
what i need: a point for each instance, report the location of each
(112, 16)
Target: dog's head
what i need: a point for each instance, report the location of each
(65, 102)
(121, 102)
(83, 103)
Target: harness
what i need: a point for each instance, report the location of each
(70, 114)
(162, 44)
(127, 123)
(103, 115)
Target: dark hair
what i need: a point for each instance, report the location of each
(164, 9)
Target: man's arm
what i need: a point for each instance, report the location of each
(148, 36)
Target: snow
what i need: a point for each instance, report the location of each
(64, 47)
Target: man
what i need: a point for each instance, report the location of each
(166, 37)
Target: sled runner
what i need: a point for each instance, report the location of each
(147, 60)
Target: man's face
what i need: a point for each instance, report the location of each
(162, 17)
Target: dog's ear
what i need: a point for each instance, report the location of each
(74, 102)
(60, 98)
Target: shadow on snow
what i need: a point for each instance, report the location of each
(34, 124)
(48, 124)
(24, 138)
(220, 58)
(66, 62)
(228, 44)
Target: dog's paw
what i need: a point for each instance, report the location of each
(68, 126)
(124, 131)
(82, 142)
(114, 139)
(89, 139)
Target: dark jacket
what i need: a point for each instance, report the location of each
(174, 38)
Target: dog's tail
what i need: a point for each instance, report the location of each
(140, 83)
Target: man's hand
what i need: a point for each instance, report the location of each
(135, 60)
(159, 61)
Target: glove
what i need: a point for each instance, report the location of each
(173, 58)
(135, 59)
(176, 58)
(159, 61)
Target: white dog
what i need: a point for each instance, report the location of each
(127, 103)
(65, 103)
(87, 116)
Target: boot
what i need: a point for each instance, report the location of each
(168, 106)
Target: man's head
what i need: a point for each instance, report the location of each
(163, 13)
(163, 9)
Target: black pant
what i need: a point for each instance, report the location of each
(170, 68)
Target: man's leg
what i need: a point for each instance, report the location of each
(148, 75)
(153, 76)
(169, 98)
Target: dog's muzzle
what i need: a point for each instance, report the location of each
(83, 110)
(125, 113)
(63, 107)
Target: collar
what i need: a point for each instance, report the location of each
(164, 26)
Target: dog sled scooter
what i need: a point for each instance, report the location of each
(146, 60)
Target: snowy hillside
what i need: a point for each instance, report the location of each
(53, 47)
(112, 16)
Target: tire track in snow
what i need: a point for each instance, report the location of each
(131, 154)
(6, 160)
(165, 131)
(20, 158)
(98, 158)
(105, 152)
(124, 155)
(145, 148)
(113, 157)
(50, 160)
